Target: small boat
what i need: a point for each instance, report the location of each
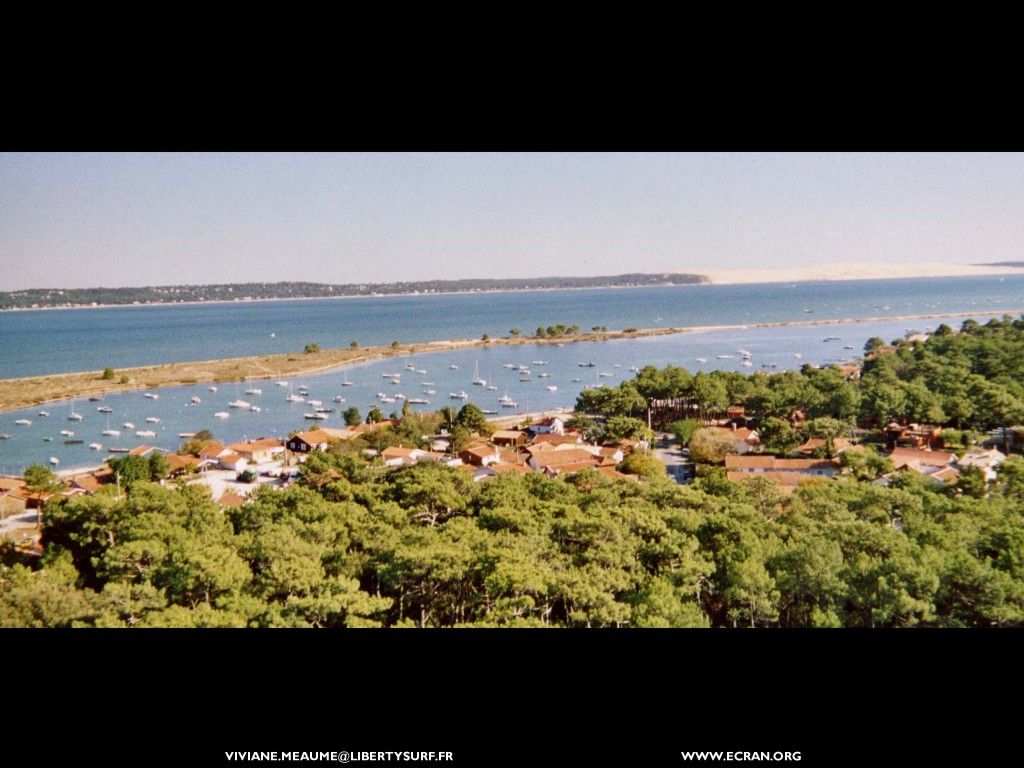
(587, 365)
(486, 412)
(95, 398)
(848, 346)
(418, 400)
(347, 384)
(221, 415)
(634, 369)
(196, 400)
(552, 388)
(525, 378)
(95, 446)
(152, 419)
(119, 450)
(238, 404)
(492, 388)
(273, 335)
(146, 433)
(544, 375)
(54, 460)
(429, 391)
(540, 362)
(508, 365)
(281, 383)
(427, 384)
(797, 355)
(460, 395)
(105, 409)
(506, 398)
(5, 436)
(325, 410)
(453, 367)
(24, 422)
(387, 399)
(477, 381)
(510, 404)
(186, 434)
(213, 389)
(315, 403)
(831, 338)
(399, 396)
(410, 367)
(617, 365)
(151, 395)
(295, 399)
(747, 363)
(605, 374)
(391, 375)
(421, 371)
(702, 359)
(74, 442)
(128, 425)
(576, 381)
(67, 432)
(725, 357)
(75, 417)
(47, 439)
(254, 391)
(743, 352)
(44, 413)
(338, 399)
(320, 416)
(255, 408)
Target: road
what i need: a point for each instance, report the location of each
(666, 448)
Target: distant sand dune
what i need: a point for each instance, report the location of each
(865, 270)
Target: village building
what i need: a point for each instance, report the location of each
(812, 444)
(514, 437)
(549, 425)
(985, 460)
(260, 451)
(315, 440)
(480, 455)
(738, 467)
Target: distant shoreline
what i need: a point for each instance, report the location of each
(31, 391)
(828, 274)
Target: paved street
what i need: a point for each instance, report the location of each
(666, 448)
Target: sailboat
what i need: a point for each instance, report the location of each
(111, 432)
(345, 382)
(293, 398)
(73, 416)
(476, 375)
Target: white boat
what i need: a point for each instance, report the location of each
(54, 460)
(460, 395)
(295, 399)
(506, 398)
(213, 389)
(152, 419)
(453, 367)
(314, 415)
(747, 363)
(387, 399)
(196, 399)
(24, 422)
(221, 415)
(75, 416)
(418, 400)
(427, 384)
(410, 367)
(238, 404)
(95, 446)
(421, 371)
(255, 408)
(338, 399)
(112, 432)
(552, 388)
(399, 396)
(525, 378)
(743, 352)
(492, 388)
(510, 404)
(186, 434)
(128, 425)
(429, 391)
(67, 432)
(44, 413)
(797, 355)
(315, 403)
(617, 365)
(540, 362)
(508, 365)
(151, 395)
(105, 409)
(725, 357)
(146, 433)
(254, 391)
(702, 359)
(576, 381)
(281, 383)
(391, 375)
(634, 369)
(347, 384)
(544, 375)
(486, 412)
(477, 381)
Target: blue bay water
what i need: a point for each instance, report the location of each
(768, 346)
(55, 341)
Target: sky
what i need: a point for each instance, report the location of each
(87, 220)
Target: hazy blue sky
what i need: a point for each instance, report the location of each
(80, 220)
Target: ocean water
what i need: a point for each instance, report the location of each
(768, 346)
(54, 341)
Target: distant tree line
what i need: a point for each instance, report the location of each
(170, 294)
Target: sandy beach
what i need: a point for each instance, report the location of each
(864, 270)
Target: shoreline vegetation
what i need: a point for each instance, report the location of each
(98, 298)
(31, 391)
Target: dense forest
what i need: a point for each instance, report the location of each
(355, 543)
(170, 294)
